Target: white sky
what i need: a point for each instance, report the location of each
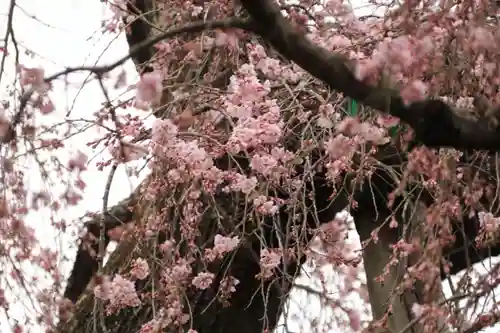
(67, 33)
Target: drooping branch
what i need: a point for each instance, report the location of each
(435, 123)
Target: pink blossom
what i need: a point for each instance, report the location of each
(482, 38)
(417, 309)
(354, 320)
(196, 10)
(33, 77)
(47, 107)
(324, 121)
(163, 130)
(488, 222)
(387, 121)
(228, 284)
(269, 260)
(338, 41)
(193, 155)
(78, 162)
(245, 90)
(153, 326)
(226, 38)
(399, 51)
(203, 280)
(140, 269)
(349, 126)
(264, 164)
(256, 52)
(244, 184)
(284, 156)
(4, 124)
(265, 206)
(180, 271)
(366, 69)
(415, 91)
(365, 131)
(118, 232)
(167, 246)
(427, 45)
(223, 244)
(270, 67)
(149, 90)
(253, 132)
(340, 146)
(120, 293)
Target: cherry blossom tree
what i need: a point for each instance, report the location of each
(271, 118)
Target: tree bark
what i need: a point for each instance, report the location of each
(391, 304)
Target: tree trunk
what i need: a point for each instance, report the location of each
(391, 304)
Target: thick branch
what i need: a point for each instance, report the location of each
(85, 264)
(387, 300)
(435, 123)
(139, 31)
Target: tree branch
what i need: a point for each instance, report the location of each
(435, 123)
(136, 49)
